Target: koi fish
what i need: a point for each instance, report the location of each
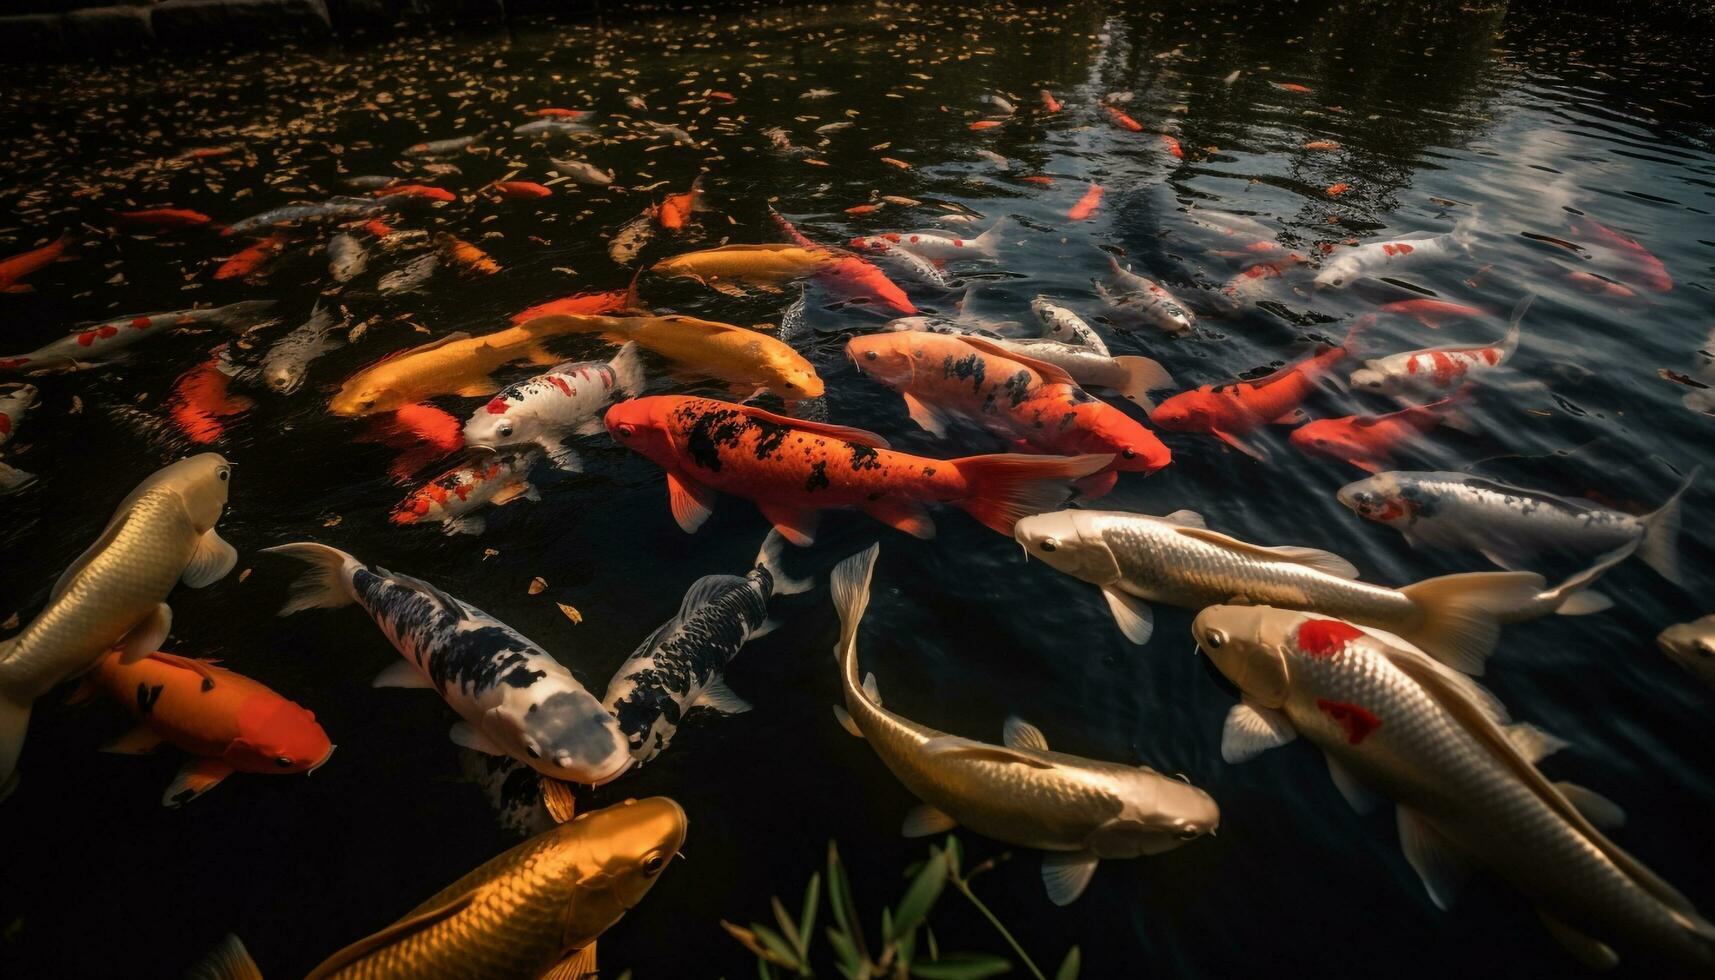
(422, 192)
(347, 258)
(1087, 204)
(370, 182)
(1652, 273)
(533, 911)
(1432, 313)
(1594, 284)
(332, 209)
(567, 400)
(1122, 120)
(1438, 369)
(113, 595)
(164, 219)
(917, 267)
(631, 237)
(454, 497)
(719, 350)
(1335, 190)
(1692, 646)
(1136, 297)
(1464, 780)
(200, 400)
(521, 190)
(422, 433)
(224, 721)
(1136, 559)
(16, 399)
(1078, 811)
(1291, 87)
(551, 127)
(1067, 327)
(472, 260)
(1231, 410)
(1050, 104)
(676, 209)
(982, 124)
(1321, 145)
(933, 245)
(457, 364)
(1388, 257)
(1171, 142)
(414, 276)
(15, 269)
(1031, 402)
(792, 469)
(1133, 377)
(514, 698)
(555, 113)
(249, 261)
(1257, 281)
(582, 172)
(1370, 441)
(1514, 527)
(682, 665)
(584, 304)
(92, 345)
(441, 148)
(730, 267)
(287, 361)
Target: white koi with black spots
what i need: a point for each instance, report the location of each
(564, 401)
(514, 698)
(682, 665)
(1135, 296)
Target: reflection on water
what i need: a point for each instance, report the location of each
(1528, 132)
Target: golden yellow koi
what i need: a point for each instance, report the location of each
(733, 266)
(720, 350)
(457, 364)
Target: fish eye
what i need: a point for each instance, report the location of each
(1215, 640)
(869, 355)
(653, 865)
(222, 474)
(532, 750)
(283, 762)
(504, 428)
(1050, 544)
(1188, 833)
(1129, 453)
(791, 385)
(627, 430)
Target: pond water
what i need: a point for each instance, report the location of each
(1526, 133)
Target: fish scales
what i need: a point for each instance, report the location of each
(442, 636)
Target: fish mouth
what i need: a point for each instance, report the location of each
(321, 762)
(624, 766)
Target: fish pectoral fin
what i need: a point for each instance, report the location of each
(1134, 617)
(542, 357)
(1186, 518)
(871, 690)
(484, 387)
(1442, 868)
(1591, 953)
(718, 696)
(924, 820)
(1584, 602)
(844, 717)
(202, 668)
(465, 734)
(469, 524)
(213, 560)
(1604, 813)
(1532, 742)
(1361, 799)
(927, 417)
(576, 965)
(147, 636)
(691, 501)
(558, 800)
(795, 524)
(1251, 730)
(1067, 874)
(903, 515)
(393, 934)
(1254, 452)
(1020, 734)
(138, 741)
(196, 778)
(507, 494)
(953, 746)
(401, 674)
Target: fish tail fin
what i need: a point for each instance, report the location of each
(327, 584)
(627, 367)
(1142, 376)
(632, 300)
(850, 587)
(14, 722)
(228, 960)
(1659, 548)
(696, 193)
(1509, 343)
(1459, 616)
(774, 548)
(1005, 487)
(989, 241)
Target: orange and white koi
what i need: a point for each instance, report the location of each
(454, 497)
(1438, 370)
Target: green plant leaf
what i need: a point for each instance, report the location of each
(961, 966)
(783, 953)
(920, 897)
(934, 947)
(1070, 966)
(955, 854)
(843, 905)
(788, 928)
(812, 901)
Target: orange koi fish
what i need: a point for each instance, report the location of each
(208, 152)
(982, 124)
(163, 219)
(422, 433)
(1039, 180)
(1049, 103)
(378, 228)
(1228, 411)
(585, 304)
(1291, 87)
(552, 113)
(792, 469)
(1087, 204)
(1321, 145)
(470, 259)
(675, 209)
(250, 260)
(420, 191)
(1370, 441)
(1589, 282)
(1650, 269)
(1172, 144)
(200, 400)
(1010, 394)
(13, 270)
(227, 722)
(1122, 120)
(1335, 190)
(521, 190)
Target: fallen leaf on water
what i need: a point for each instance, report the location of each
(332, 521)
(570, 611)
(244, 574)
(538, 585)
(488, 553)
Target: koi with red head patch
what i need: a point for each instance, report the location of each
(793, 469)
(943, 377)
(1087, 204)
(250, 261)
(454, 497)
(13, 270)
(225, 721)
(1370, 441)
(164, 219)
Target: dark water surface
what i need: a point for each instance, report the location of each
(1439, 114)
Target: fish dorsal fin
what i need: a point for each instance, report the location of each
(451, 338)
(1322, 561)
(1020, 734)
(706, 589)
(390, 935)
(862, 437)
(954, 747)
(1050, 374)
(1186, 518)
(1474, 719)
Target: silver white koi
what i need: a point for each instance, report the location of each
(564, 401)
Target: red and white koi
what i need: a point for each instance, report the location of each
(1390, 257)
(1438, 370)
(16, 399)
(934, 245)
(91, 345)
(454, 497)
(566, 400)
